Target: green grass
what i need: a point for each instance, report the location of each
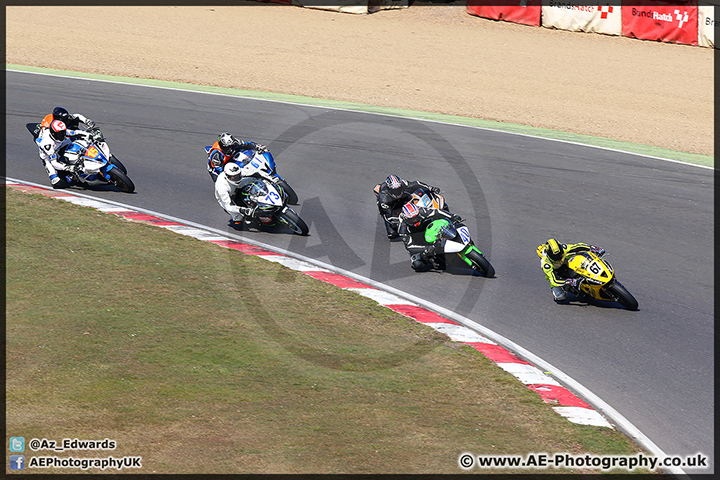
(202, 359)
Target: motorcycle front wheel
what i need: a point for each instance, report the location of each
(118, 163)
(480, 263)
(121, 181)
(622, 296)
(292, 196)
(293, 221)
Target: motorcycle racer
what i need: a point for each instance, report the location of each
(413, 222)
(553, 261)
(71, 121)
(391, 195)
(228, 186)
(52, 143)
(225, 149)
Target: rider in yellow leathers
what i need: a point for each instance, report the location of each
(553, 261)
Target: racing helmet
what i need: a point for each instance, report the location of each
(59, 113)
(233, 172)
(58, 130)
(554, 250)
(226, 142)
(411, 213)
(394, 185)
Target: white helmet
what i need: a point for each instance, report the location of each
(233, 172)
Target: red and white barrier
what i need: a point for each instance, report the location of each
(597, 17)
(677, 21)
(526, 12)
(706, 25)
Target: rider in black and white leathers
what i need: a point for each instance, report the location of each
(391, 195)
(413, 222)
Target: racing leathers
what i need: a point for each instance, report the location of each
(557, 272)
(217, 159)
(51, 152)
(412, 233)
(390, 203)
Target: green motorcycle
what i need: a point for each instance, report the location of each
(450, 238)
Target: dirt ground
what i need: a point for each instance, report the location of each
(427, 57)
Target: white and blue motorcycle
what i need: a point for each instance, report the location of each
(97, 165)
(267, 199)
(266, 163)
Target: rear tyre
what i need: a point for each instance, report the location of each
(294, 222)
(121, 181)
(622, 296)
(292, 196)
(62, 183)
(480, 263)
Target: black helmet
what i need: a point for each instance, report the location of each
(58, 130)
(226, 142)
(59, 113)
(554, 250)
(394, 185)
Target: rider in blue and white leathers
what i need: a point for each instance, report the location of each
(52, 143)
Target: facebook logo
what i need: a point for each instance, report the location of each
(17, 462)
(17, 444)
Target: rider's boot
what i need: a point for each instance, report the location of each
(418, 263)
(559, 294)
(55, 179)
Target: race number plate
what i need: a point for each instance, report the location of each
(464, 234)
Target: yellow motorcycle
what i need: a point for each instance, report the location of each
(598, 280)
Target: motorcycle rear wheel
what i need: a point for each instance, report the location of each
(481, 264)
(121, 181)
(293, 221)
(622, 296)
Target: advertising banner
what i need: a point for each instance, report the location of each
(526, 12)
(582, 16)
(675, 22)
(706, 25)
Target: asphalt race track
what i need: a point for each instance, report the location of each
(654, 218)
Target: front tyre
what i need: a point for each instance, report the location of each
(622, 296)
(480, 263)
(118, 163)
(293, 221)
(292, 198)
(121, 181)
